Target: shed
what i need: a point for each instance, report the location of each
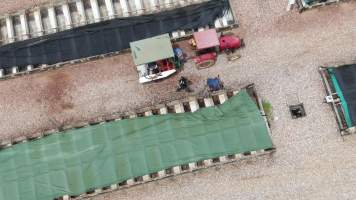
(151, 49)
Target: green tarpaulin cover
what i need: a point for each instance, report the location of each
(78, 160)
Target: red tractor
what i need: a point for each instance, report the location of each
(208, 45)
(229, 43)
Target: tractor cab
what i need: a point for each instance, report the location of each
(154, 58)
(207, 45)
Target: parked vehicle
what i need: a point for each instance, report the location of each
(215, 84)
(208, 45)
(154, 58)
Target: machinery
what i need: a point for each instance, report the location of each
(154, 58)
(183, 84)
(306, 4)
(208, 45)
(215, 84)
(340, 87)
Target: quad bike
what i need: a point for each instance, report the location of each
(215, 84)
(183, 84)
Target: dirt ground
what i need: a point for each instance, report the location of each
(10, 6)
(282, 54)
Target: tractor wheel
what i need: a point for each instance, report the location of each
(205, 64)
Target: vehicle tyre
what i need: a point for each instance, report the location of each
(205, 64)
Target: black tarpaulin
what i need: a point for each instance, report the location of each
(108, 36)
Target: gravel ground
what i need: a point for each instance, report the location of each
(9, 6)
(282, 55)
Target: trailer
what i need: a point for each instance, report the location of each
(154, 58)
(340, 87)
(307, 4)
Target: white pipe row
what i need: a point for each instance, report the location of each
(67, 16)
(38, 21)
(10, 29)
(24, 26)
(96, 11)
(81, 12)
(110, 8)
(52, 20)
(55, 22)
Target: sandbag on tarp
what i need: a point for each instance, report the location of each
(82, 159)
(344, 81)
(108, 36)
